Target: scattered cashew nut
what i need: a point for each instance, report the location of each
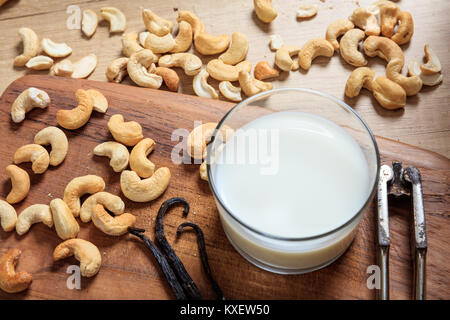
(383, 47)
(433, 64)
(283, 58)
(361, 77)
(159, 44)
(405, 28)
(78, 116)
(129, 133)
(388, 94)
(307, 11)
(113, 226)
(201, 136)
(39, 63)
(116, 18)
(349, 48)
(20, 181)
(276, 42)
(183, 40)
(365, 20)
(138, 158)
(30, 46)
(112, 202)
(237, 50)
(336, 29)
(117, 152)
(201, 86)
(80, 186)
(252, 86)
(10, 280)
(84, 67)
(411, 85)
(196, 24)
(26, 101)
(155, 24)
(388, 18)
(137, 68)
(144, 190)
(265, 10)
(229, 91)
(55, 50)
(203, 172)
(208, 44)
(64, 68)
(34, 153)
(117, 70)
(8, 216)
(35, 213)
(190, 63)
(130, 44)
(263, 70)
(312, 49)
(170, 78)
(89, 23)
(100, 102)
(57, 139)
(218, 70)
(65, 224)
(428, 80)
(84, 251)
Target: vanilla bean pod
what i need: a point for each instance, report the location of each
(203, 255)
(162, 261)
(185, 279)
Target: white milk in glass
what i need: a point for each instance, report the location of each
(291, 175)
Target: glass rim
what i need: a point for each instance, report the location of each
(310, 91)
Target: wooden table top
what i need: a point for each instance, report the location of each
(425, 122)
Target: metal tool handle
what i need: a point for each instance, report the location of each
(383, 263)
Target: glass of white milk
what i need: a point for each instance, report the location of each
(294, 180)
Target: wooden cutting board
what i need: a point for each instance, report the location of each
(129, 272)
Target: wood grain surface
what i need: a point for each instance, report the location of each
(425, 122)
(129, 272)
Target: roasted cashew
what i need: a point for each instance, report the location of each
(117, 70)
(208, 44)
(129, 133)
(84, 67)
(34, 214)
(117, 152)
(201, 136)
(20, 181)
(411, 85)
(388, 18)
(312, 49)
(34, 153)
(89, 23)
(130, 44)
(428, 80)
(144, 190)
(26, 101)
(383, 47)
(10, 280)
(57, 139)
(349, 48)
(203, 172)
(160, 44)
(39, 63)
(8, 216)
(155, 24)
(64, 68)
(433, 64)
(336, 29)
(283, 58)
(137, 68)
(138, 158)
(265, 10)
(170, 77)
(196, 24)
(229, 91)
(84, 251)
(306, 11)
(30, 46)
(80, 186)
(78, 116)
(115, 17)
(251, 86)
(218, 70)
(201, 86)
(361, 77)
(65, 224)
(113, 226)
(276, 42)
(405, 28)
(183, 39)
(237, 50)
(112, 202)
(388, 94)
(190, 63)
(100, 102)
(365, 20)
(55, 50)
(263, 70)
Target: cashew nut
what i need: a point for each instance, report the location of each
(34, 214)
(336, 29)
(229, 91)
(365, 20)
(100, 102)
(80, 186)
(64, 68)
(383, 47)
(361, 77)
(56, 50)
(252, 86)
(312, 49)
(203, 172)
(30, 46)
(265, 10)
(428, 80)
(117, 70)
(138, 158)
(263, 70)
(411, 85)
(276, 42)
(84, 67)
(208, 44)
(20, 181)
(57, 139)
(388, 94)
(10, 280)
(349, 48)
(84, 251)
(115, 17)
(112, 202)
(34, 153)
(155, 24)
(39, 63)
(405, 28)
(8, 216)
(170, 78)
(26, 101)
(78, 116)
(89, 23)
(190, 63)
(130, 44)
(388, 18)
(307, 11)
(117, 152)
(183, 39)
(201, 86)
(160, 44)
(283, 58)
(144, 190)
(129, 133)
(113, 226)
(237, 50)
(433, 64)
(65, 224)
(196, 24)
(201, 136)
(137, 69)
(218, 70)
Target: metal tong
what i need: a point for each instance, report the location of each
(398, 182)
